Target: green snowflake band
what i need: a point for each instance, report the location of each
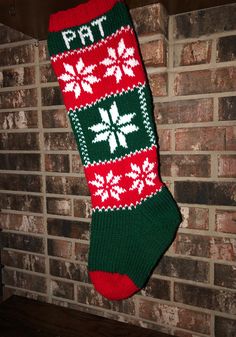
(115, 126)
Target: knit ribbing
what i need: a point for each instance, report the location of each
(80, 14)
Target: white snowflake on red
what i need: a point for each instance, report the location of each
(79, 78)
(107, 187)
(120, 61)
(142, 175)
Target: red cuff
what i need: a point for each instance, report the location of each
(80, 14)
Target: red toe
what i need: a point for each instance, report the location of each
(113, 286)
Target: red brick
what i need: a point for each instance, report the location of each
(88, 295)
(192, 245)
(60, 248)
(216, 248)
(68, 270)
(152, 19)
(18, 99)
(21, 182)
(173, 316)
(62, 289)
(26, 281)
(154, 53)
(205, 22)
(51, 96)
(185, 165)
(227, 108)
(25, 261)
(180, 333)
(68, 228)
(67, 185)
(225, 276)
(43, 51)
(18, 120)
(55, 118)
(200, 139)
(25, 203)
(184, 268)
(56, 141)
(205, 193)
(225, 221)
(77, 166)
(158, 84)
(223, 248)
(59, 206)
(81, 252)
(198, 52)
(202, 297)
(195, 218)
(17, 76)
(205, 81)
(226, 49)
(57, 163)
(227, 166)
(28, 243)
(20, 161)
(25, 293)
(19, 141)
(22, 223)
(231, 138)
(47, 74)
(17, 55)
(164, 138)
(107, 314)
(224, 327)
(83, 208)
(187, 111)
(157, 288)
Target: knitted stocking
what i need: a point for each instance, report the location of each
(95, 55)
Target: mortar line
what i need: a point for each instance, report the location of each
(41, 142)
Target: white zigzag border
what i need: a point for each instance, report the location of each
(104, 162)
(93, 46)
(129, 207)
(146, 118)
(79, 132)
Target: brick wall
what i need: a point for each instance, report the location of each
(191, 64)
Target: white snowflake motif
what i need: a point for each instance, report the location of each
(78, 78)
(119, 60)
(108, 186)
(142, 175)
(113, 127)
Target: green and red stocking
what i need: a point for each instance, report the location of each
(95, 55)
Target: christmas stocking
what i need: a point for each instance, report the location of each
(95, 55)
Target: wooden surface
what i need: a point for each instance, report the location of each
(31, 16)
(22, 317)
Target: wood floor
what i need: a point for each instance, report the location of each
(22, 317)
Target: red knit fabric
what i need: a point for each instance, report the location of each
(80, 14)
(94, 56)
(113, 286)
(118, 169)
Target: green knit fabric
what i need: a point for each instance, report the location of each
(132, 242)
